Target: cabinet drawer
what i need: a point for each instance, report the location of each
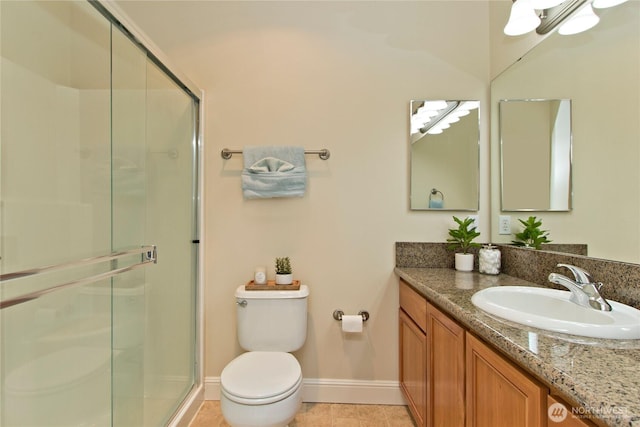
(414, 304)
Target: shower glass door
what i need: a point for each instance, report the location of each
(154, 200)
(97, 156)
(55, 351)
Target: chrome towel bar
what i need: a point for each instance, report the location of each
(324, 154)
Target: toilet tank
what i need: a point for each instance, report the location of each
(272, 320)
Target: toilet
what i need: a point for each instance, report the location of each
(263, 387)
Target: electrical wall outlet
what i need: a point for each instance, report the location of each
(504, 226)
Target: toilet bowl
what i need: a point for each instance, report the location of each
(261, 388)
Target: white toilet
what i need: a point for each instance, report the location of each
(263, 387)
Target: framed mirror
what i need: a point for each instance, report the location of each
(444, 151)
(535, 154)
(599, 70)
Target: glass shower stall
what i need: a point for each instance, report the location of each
(98, 223)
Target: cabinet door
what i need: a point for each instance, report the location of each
(413, 367)
(498, 393)
(559, 412)
(445, 367)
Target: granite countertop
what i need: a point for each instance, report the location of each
(601, 376)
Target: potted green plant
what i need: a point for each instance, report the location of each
(531, 236)
(283, 271)
(461, 239)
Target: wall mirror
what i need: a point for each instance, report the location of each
(444, 149)
(599, 70)
(535, 154)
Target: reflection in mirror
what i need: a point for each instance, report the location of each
(599, 71)
(535, 154)
(444, 143)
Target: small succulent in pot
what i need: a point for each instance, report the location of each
(283, 271)
(531, 236)
(283, 265)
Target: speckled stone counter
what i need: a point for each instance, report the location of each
(601, 376)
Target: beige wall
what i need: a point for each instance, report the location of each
(336, 75)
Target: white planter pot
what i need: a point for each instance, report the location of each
(464, 262)
(284, 279)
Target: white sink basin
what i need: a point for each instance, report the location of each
(550, 309)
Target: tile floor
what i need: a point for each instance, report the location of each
(322, 415)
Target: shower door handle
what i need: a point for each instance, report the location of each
(149, 256)
(149, 252)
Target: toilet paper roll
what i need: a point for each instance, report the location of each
(351, 323)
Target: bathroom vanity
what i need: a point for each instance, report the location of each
(460, 366)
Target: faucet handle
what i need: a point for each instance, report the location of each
(582, 276)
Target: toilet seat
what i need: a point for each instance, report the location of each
(261, 377)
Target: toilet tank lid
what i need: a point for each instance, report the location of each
(303, 292)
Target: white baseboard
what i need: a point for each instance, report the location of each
(333, 391)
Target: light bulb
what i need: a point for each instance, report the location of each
(582, 21)
(435, 105)
(545, 4)
(470, 105)
(602, 4)
(522, 19)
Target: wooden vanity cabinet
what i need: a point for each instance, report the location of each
(445, 370)
(450, 378)
(498, 393)
(413, 351)
(413, 367)
(431, 362)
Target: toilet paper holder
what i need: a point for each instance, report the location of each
(337, 314)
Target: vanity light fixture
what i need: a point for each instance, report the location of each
(439, 123)
(522, 19)
(602, 4)
(581, 21)
(456, 110)
(569, 16)
(429, 114)
(435, 116)
(545, 4)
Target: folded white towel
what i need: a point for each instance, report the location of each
(271, 164)
(273, 172)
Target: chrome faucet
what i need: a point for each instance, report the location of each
(584, 290)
